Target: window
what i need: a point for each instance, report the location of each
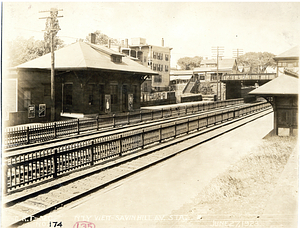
(202, 77)
(135, 93)
(116, 59)
(167, 57)
(114, 94)
(69, 94)
(154, 66)
(166, 68)
(157, 78)
(154, 55)
(101, 97)
(27, 98)
(91, 91)
(145, 59)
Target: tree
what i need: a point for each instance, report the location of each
(102, 38)
(22, 50)
(188, 63)
(257, 61)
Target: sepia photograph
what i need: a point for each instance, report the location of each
(149, 114)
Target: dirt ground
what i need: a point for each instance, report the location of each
(251, 193)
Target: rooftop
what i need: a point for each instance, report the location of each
(282, 85)
(83, 56)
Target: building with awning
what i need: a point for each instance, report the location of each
(89, 80)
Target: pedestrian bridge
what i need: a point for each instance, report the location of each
(236, 83)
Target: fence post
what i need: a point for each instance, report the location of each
(141, 116)
(92, 153)
(128, 116)
(175, 129)
(27, 135)
(120, 146)
(162, 113)
(160, 133)
(114, 120)
(55, 164)
(188, 125)
(186, 109)
(97, 123)
(78, 129)
(151, 114)
(143, 143)
(55, 131)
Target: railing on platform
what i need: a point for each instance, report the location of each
(262, 76)
(16, 136)
(31, 167)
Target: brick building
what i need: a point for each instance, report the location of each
(89, 80)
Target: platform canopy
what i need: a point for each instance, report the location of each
(83, 56)
(282, 85)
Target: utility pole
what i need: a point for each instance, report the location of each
(52, 28)
(218, 51)
(237, 52)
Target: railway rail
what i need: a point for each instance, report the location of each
(49, 195)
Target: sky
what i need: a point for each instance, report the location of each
(190, 29)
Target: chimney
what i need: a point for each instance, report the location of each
(126, 43)
(122, 43)
(93, 38)
(162, 42)
(109, 43)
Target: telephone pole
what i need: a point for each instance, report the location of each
(237, 52)
(218, 51)
(52, 28)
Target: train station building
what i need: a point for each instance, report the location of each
(282, 92)
(89, 80)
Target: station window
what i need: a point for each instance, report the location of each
(69, 94)
(167, 57)
(27, 98)
(154, 55)
(91, 91)
(114, 94)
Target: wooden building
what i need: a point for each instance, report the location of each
(89, 80)
(282, 93)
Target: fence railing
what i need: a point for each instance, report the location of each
(262, 76)
(30, 167)
(16, 136)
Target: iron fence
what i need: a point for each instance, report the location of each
(31, 167)
(16, 136)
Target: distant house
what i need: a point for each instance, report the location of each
(89, 80)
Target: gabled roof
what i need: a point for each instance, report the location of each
(291, 53)
(282, 85)
(83, 56)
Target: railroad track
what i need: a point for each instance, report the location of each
(24, 207)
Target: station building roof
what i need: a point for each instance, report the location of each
(282, 85)
(83, 56)
(292, 53)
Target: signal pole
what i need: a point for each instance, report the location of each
(52, 28)
(219, 51)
